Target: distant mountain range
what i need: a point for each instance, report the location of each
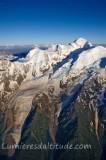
(54, 94)
(16, 48)
(23, 48)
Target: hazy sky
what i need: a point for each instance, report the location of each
(52, 21)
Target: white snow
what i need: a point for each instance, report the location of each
(83, 43)
(39, 61)
(90, 58)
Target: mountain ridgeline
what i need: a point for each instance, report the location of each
(54, 97)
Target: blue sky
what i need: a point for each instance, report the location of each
(52, 21)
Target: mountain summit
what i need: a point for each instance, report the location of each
(56, 95)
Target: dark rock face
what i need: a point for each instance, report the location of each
(80, 124)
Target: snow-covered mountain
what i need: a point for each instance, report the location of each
(49, 95)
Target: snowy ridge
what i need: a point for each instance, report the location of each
(58, 60)
(45, 60)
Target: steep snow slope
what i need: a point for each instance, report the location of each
(90, 58)
(62, 58)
